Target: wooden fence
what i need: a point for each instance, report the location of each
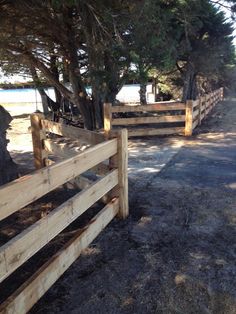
(23, 191)
(164, 117)
(197, 110)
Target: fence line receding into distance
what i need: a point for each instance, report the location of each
(161, 118)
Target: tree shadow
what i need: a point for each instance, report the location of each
(24, 161)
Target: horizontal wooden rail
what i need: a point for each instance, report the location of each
(72, 132)
(195, 114)
(195, 124)
(153, 131)
(148, 120)
(19, 249)
(59, 149)
(63, 151)
(196, 103)
(31, 187)
(163, 106)
(22, 300)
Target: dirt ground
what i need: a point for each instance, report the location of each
(176, 252)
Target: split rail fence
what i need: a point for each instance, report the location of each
(23, 191)
(164, 117)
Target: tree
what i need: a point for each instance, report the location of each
(98, 43)
(228, 5)
(205, 45)
(79, 34)
(152, 41)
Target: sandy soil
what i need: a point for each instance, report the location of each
(20, 145)
(176, 252)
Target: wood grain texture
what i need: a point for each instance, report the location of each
(38, 135)
(22, 300)
(107, 119)
(31, 187)
(123, 173)
(73, 132)
(189, 118)
(19, 249)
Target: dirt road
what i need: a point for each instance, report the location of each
(176, 253)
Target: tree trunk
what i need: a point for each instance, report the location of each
(80, 96)
(54, 70)
(143, 79)
(40, 90)
(8, 169)
(111, 96)
(77, 97)
(97, 108)
(142, 93)
(44, 101)
(190, 90)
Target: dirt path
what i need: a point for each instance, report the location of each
(176, 252)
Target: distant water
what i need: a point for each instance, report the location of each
(28, 100)
(24, 95)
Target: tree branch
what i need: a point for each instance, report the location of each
(30, 60)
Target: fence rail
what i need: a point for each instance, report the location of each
(197, 110)
(113, 183)
(167, 117)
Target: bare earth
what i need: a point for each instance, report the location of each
(176, 252)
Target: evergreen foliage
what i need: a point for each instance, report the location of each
(103, 44)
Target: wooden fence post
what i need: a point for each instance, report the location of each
(123, 173)
(38, 135)
(189, 118)
(120, 161)
(107, 119)
(221, 93)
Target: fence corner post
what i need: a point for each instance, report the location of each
(107, 119)
(189, 118)
(38, 135)
(123, 173)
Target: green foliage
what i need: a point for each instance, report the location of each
(205, 45)
(152, 42)
(105, 43)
